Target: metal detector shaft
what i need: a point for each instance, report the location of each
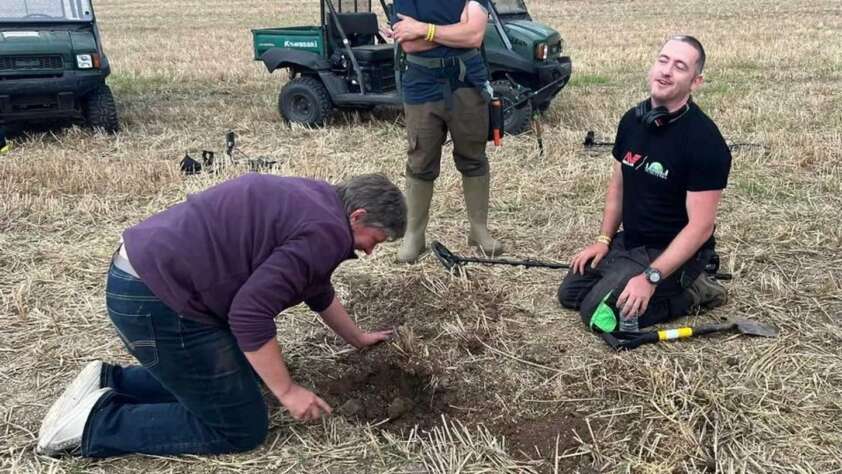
(515, 263)
(451, 260)
(530, 95)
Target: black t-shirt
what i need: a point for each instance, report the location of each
(660, 165)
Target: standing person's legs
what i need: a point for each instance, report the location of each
(426, 132)
(468, 125)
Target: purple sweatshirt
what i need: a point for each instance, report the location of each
(241, 252)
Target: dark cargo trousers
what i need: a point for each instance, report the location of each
(427, 125)
(670, 300)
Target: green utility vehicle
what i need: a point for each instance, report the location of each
(52, 64)
(345, 62)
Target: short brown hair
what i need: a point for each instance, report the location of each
(697, 45)
(383, 202)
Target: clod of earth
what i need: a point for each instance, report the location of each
(399, 407)
(352, 408)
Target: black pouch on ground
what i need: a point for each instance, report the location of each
(190, 166)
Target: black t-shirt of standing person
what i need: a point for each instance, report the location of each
(660, 165)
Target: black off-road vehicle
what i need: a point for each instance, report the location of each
(52, 64)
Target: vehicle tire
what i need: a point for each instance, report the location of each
(305, 100)
(100, 110)
(517, 120)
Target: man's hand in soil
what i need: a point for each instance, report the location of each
(372, 338)
(337, 318)
(303, 404)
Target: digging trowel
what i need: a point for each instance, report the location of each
(626, 340)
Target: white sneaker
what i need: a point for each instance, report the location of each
(66, 433)
(86, 382)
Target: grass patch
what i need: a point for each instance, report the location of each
(587, 80)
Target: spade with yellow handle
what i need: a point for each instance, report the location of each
(630, 340)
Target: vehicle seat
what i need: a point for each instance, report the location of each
(360, 28)
(378, 53)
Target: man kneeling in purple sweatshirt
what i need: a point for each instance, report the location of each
(193, 292)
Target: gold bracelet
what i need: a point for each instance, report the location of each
(431, 32)
(604, 239)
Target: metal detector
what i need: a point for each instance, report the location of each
(451, 260)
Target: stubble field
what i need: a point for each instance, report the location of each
(488, 374)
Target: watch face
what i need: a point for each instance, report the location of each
(653, 275)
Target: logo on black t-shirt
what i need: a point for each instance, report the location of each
(657, 169)
(633, 159)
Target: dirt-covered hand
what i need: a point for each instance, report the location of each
(303, 404)
(371, 338)
(593, 253)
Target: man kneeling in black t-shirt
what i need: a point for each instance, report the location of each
(671, 167)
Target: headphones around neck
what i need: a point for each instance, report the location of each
(658, 116)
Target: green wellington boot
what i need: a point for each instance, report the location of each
(419, 193)
(476, 202)
(706, 293)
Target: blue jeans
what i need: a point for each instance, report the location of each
(194, 391)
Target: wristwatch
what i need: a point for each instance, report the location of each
(653, 275)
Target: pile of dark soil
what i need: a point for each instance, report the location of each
(379, 391)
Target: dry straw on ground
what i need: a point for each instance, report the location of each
(510, 382)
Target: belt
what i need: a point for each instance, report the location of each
(121, 261)
(439, 63)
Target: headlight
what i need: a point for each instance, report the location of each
(541, 51)
(87, 61)
(84, 61)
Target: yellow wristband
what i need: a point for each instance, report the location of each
(431, 32)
